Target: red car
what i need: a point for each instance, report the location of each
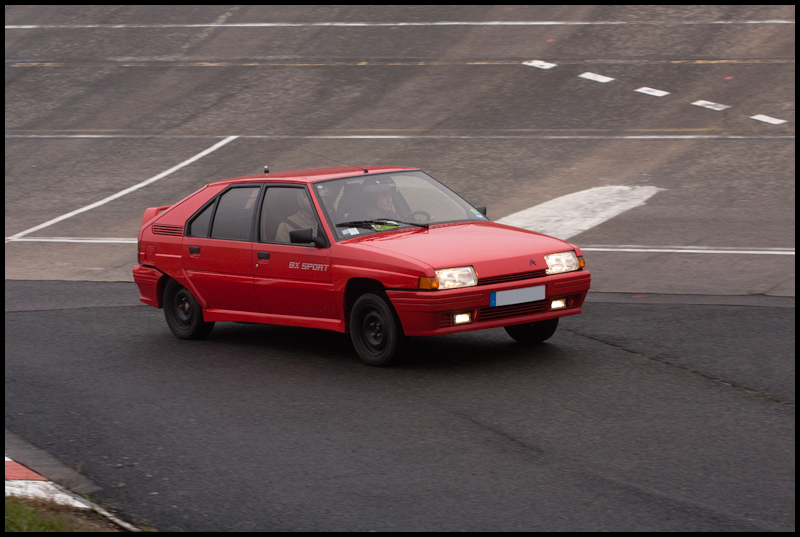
(381, 253)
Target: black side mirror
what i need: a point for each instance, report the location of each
(481, 209)
(304, 236)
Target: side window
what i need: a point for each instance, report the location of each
(199, 226)
(234, 216)
(286, 209)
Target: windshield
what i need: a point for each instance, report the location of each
(374, 203)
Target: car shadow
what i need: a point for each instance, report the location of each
(482, 348)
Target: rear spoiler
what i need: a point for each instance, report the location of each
(151, 213)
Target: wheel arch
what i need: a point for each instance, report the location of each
(355, 288)
(162, 283)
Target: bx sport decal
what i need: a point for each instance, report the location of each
(307, 266)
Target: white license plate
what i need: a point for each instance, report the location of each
(518, 296)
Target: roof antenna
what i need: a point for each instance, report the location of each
(337, 161)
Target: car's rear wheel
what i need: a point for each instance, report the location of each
(376, 333)
(533, 332)
(183, 313)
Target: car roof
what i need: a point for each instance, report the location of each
(312, 175)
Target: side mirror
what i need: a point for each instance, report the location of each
(481, 209)
(304, 236)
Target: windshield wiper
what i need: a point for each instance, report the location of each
(379, 222)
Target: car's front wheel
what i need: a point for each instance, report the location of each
(533, 332)
(376, 333)
(183, 313)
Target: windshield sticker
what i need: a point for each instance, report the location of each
(477, 213)
(384, 227)
(349, 231)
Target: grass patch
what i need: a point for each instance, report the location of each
(23, 514)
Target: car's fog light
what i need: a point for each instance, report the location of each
(558, 304)
(462, 318)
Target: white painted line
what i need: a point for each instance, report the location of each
(74, 239)
(8, 460)
(540, 64)
(126, 191)
(651, 91)
(686, 250)
(640, 246)
(711, 106)
(575, 213)
(604, 248)
(42, 490)
(382, 24)
(596, 77)
(767, 119)
(420, 136)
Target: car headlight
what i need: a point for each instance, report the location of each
(562, 262)
(450, 278)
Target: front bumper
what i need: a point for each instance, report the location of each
(425, 313)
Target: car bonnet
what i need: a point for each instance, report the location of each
(492, 249)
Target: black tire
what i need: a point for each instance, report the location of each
(533, 332)
(183, 313)
(375, 331)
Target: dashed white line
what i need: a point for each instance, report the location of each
(767, 119)
(711, 106)
(596, 77)
(124, 192)
(651, 91)
(540, 64)
(383, 24)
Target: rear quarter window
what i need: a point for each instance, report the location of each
(199, 226)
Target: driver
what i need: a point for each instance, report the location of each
(378, 198)
(304, 218)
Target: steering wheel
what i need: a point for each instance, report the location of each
(424, 214)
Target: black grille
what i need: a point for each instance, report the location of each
(512, 277)
(162, 229)
(512, 310)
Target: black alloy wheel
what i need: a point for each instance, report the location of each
(375, 331)
(183, 313)
(533, 332)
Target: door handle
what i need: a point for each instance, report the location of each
(263, 255)
(194, 249)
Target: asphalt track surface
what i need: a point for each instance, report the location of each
(667, 405)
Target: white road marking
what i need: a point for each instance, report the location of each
(596, 77)
(575, 213)
(688, 250)
(424, 136)
(711, 106)
(540, 64)
(604, 248)
(767, 119)
(651, 91)
(109, 240)
(126, 191)
(382, 24)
